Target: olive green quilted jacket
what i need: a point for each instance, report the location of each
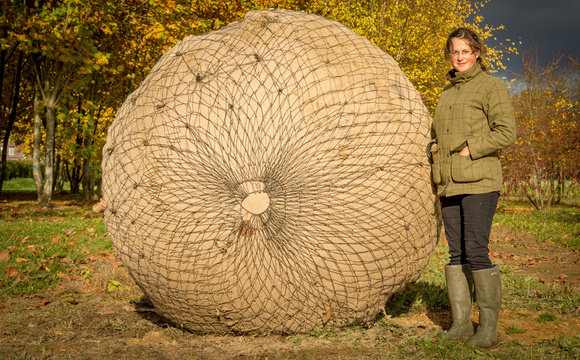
(474, 110)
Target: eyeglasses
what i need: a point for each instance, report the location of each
(464, 53)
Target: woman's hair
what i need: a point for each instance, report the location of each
(474, 41)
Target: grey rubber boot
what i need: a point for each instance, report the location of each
(459, 285)
(488, 289)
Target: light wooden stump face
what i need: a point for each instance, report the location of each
(271, 177)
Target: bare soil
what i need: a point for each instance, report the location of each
(85, 320)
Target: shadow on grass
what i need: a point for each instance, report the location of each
(423, 296)
(145, 308)
(25, 195)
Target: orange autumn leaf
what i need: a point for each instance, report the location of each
(21, 260)
(90, 288)
(63, 276)
(12, 272)
(4, 255)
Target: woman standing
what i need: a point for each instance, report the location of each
(473, 122)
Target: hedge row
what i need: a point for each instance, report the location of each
(18, 169)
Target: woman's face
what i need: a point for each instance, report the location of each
(462, 57)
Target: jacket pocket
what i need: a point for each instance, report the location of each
(463, 169)
(436, 168)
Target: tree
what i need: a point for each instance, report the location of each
(13, 62)
(64, 50)
(545, 156)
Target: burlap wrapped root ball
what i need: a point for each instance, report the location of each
(271, 177)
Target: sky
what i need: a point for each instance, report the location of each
(549, 24)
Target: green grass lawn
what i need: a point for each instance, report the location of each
(560, 224)
(25, 184)
(40, 247)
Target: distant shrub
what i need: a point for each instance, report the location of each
(18, 169)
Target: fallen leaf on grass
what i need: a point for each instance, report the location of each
(4, 255)
(72, 301)
(12, 272)
(86, 251)
(562, 276)
(107, 312)
(90, 288)
(2, 306)
(63, 276)
(117, 264)
(68, 232)
(21, 260)
(55, 239)
(25, 240)
(39, 305)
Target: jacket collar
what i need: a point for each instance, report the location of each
(456, 77)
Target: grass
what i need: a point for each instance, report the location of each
(560, 348)
(25, 184)
(41, 247)
(545, 317)
(529, 293)
(19, 184)
(560, 224)
(514, 330)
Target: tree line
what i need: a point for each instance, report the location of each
(66, 66)
(544, 163)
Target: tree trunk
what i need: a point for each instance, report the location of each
(88, 180)
(59, 182)
(56, 171)
(36, 170)
(88, 184)
(46, 197)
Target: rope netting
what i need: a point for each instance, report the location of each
(271, 176)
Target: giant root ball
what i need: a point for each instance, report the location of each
(271, 177)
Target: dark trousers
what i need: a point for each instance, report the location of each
(467, 220)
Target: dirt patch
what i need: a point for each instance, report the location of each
(89, 319)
